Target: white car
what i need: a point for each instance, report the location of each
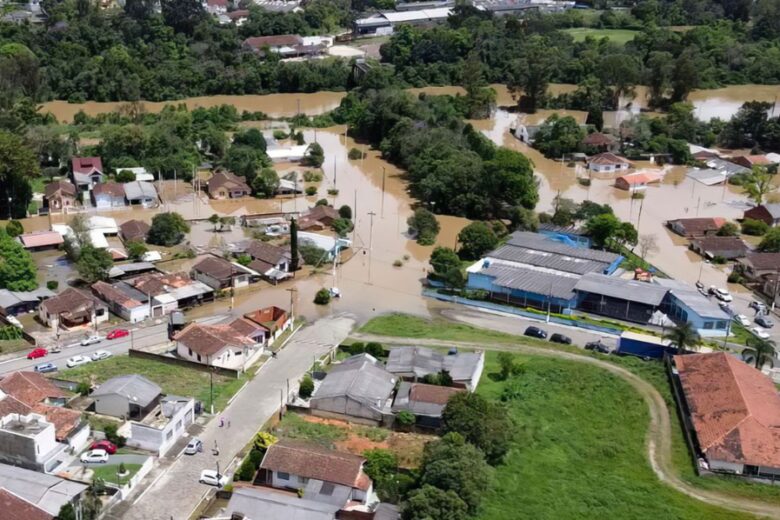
(210, 477)
(723, 295)
(758, 331)
(77, 361)
(742, 320)
(100, 354)
(94, 457)
(90, 341)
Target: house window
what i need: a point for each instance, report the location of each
(169, 435)
(282, 475)
(190, 351)
(198, 357)
(708, 324)
(720, 325)
(178, 425)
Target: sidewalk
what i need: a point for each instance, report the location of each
(176, 493)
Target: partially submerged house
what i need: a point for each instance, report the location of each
(127, 397)
(219, 273)
(125, 301)
(87, 172)
(601, 142)
(607, 162)
(141, 193)
(758, 266)
(357, 389)
(318, 217)
(414, 363)
(72, 308)
(134, 230)
(748, 161)
(41, 240)
(274, 263)
(637, 181)
(227, 185)
(60, 196)
(106, 195)
(696, 227)
(728, 248)
(768, 213)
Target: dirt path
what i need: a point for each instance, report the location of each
(659, 434)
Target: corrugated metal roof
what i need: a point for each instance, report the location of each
(258, 502)
(614, 287)
(549, 260)
(532, 280)
(48, 492)
(543, 243)
(360, 378)
(693, 299)
(140, 190)
(134, 387)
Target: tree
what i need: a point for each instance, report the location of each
(647, 244)
(754, 227)
(93, 264)
(559, 136)
(266, 183)
(214, 219)
(125, 176)
(608, 231)
(729, 229)
(508, 364)
(306, 388)
(432, 503)
(293, 245)
(245, 161)
(531, 73)
(443, 259)
(483, 423)
(17, 268)
(18, 165)
(14, 228)
(524, 219)
(78, 238)
(314, 156)
(345, 212)
(424, 225)
(405, 418)
(771, 241)
(168, 229)
(762, 349)
(621, 71)
(66, 512)
(136, 249)
(183, 15)
(380, 465)
(322, 297)
(683, 336)
(251, 137)
(758, 184)
(475, 240)
(341, 226)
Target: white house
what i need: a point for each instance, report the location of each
(28, 441)
(164, 425)
(607, 162)
(215, 345)
(106, 195)
(141, 192)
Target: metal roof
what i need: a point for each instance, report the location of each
(140, 190)
(135, 388)
(539, 242)
(614, 287)
(422, 361)
(258, 502)
(537, 281)
(693, 299)
(549, 260)
(360, 378)
(47, 492)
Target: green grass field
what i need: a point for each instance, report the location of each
(579, 450)
(619, 36)
(172, 379)
(108, 473)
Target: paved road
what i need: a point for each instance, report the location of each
(659, 439)
(176, 492)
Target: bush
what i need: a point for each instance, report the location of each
(375, 349)
(312, 255)
(734, 277)
(753, 227)
(718, 260)
(355, 154)
(280, 134)
(333, 192)
(398, 263)
(82, 388)
(125, 176)
(405, 418)
(122, 469)
(10, 332)
(345, 212)
(322, 297)
(381, 464)
(14, 228)
(113, 437)
(311, 190)
(729, 229)
(342, 226)
(306, 388)
(312, 176)
(322, 202)
(249, 465)
(52, 285)
(424, 225)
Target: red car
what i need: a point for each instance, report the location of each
(118, 333)
(37, 353)
(110, 447)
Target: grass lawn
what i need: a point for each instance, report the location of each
(579, 449)
(620, 36)
(172, 379)
(108, 473)
(99, 422)
(14, 345)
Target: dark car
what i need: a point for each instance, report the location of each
(536, 332)
(764, 322)
(597, 346)
(560, 338)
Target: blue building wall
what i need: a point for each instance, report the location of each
(614, 265)
(678, 311)
(479, 281)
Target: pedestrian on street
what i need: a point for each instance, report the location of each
(221, 422)
(228, 423)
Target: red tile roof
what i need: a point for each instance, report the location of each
(71, 300)
(640, 178)
(112, 189)
(134, 230)
(282, 40)
(208, 340)
(30, 388)
(700, 226)
(608, 158)
(735, 409)
(15, 507)
(61, 188)
(111, 294)
(227, 180)
(270, 318)
(598, 139)
(86, 165)
(315, 462)
(435, 394)
(41, 239)
(64, 420)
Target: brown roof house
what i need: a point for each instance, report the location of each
(218, 273)
(756, 266)
(59, 196)
(273, 262)
(748, 161)
(638, 181)
(733, 412)
(72, 308)
(216, 345)
(15, 507)
(318, 217)
(729, 248)
(607, 162)
(769, 213)
(87, 172)
(108, 195)
(272, 321)
(134, 230)
(227, 185)
(285, 45)
(696, 227)
(41, 240)
(601, 142)
(426, 402)
(323, 475)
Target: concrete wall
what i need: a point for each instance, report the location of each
(731, 467)
(113, 404)
(161, 440)
(208, 280)
(80, 437)
(344, 406)
(28, 450)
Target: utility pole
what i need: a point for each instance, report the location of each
(334, 172)
(355, 217)
(292, 291)
(383, 192)
(281, 403)
(370, 243)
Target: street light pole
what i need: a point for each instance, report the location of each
(370, 243)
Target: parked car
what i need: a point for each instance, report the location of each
(37, 353)
(764, 322)
(757, 306)
(742, 320)
(107, 446)
(77, 361)
(536, 332)
(212, 478)
(94, 457)
(100, 354)
(699, 286)
(597, 346)
(194, 446)
(723, 295)
(44, 368)
(761, 333)
(560, 338)
(90, 340)
(725, 307)
(55, 349)
(118, 333)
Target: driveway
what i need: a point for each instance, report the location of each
(116, 459)
(173, 494)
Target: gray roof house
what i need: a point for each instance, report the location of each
(17, 302)
(261, 502)
(130, 396)
(465, 368)
(141, 192)
(358, 388)
(47, 492)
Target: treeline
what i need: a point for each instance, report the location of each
(451, 166)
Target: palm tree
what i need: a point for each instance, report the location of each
(763, 349)
(683, 335)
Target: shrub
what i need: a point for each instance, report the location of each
(355, 154)
(249, 465)
(754, 227)
(584, 181)
(734, 277)
(122, 469)
(312, 176)
(322, 297)
(342, 226)
(398, 263)
(52, 285)
(311, 190)
(380, 464)
(14, 228)
(312, 255)
(718, 260)
(405, 418)
(424, 225)
(322, 202)
(10, 332)
(306, 388)
(333, 192)
(729, 229)
(82, 388)
(375, 349)
(345, 212)
(244, 259)
(354, 349)
(125, 176)
(112, 436)
(280, 134)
